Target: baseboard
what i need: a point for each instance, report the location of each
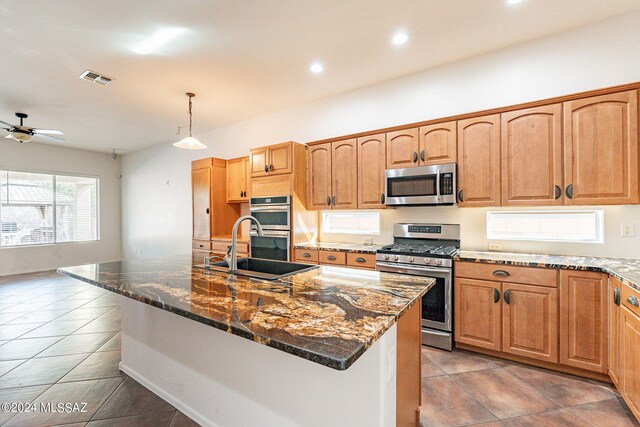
(174, 401)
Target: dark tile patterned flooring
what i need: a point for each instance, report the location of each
(60, 342)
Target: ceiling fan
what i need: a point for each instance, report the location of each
(22, 133)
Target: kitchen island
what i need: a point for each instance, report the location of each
(330, 346)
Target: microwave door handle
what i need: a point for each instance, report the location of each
(438, 184)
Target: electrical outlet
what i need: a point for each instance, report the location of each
(626, 229)
(495, 246)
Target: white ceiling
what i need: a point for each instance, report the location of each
(241, 58)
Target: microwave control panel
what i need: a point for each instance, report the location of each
(446, 184)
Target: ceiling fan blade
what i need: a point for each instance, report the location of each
(47, 131)
(8, 137)
(50, 138)
(5, 123)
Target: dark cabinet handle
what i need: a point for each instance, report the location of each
(328, 200)
(422, 155)
(306, 255)
(207, 211)
(569, 191)
(270, 168)
(507, 296)
(496, 295)
(633, 301)
(360, 259)
(558, 192)
(460, 195)
(415, 157)
(331, 258)
(333, 200)
(616, 296)
(266, 168)
(382, 198)
(202, 246)
(501, 273)
(241, 193)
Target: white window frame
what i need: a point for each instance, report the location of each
(325, 214)
(599, 224)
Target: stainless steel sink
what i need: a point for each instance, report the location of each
(261, 268)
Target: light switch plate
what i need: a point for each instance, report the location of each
(626, 229)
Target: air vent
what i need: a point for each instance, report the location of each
(92, 76)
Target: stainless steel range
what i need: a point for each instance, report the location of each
(427, 250)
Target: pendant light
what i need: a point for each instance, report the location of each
(190, 143)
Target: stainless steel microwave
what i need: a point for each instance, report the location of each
(423, 185)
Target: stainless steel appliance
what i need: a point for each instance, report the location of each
(427, 250)
(423, 185)
(274, 213)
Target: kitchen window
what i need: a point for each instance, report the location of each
(351, 222)
(586, 226)
(42, 209)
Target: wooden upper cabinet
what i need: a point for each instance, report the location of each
(238, 180)
(583, 320)
(344, 174)
(402, 149)
(319, 179)
(259, 160)
(201, 198)
(530, 321)
(614, 330)
(281, 158)
(438, 144)
(532, 157)
(601, 149)
(479, 161)
(477, 313)
(372, 152)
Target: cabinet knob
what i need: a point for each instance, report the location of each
(569, 191)
(361, 260)
(507, 296)
(501, 273)
(207, 211)
(423, 155)
(633, 301)
(270, 168)
(306, 255)
(331, 258)
(558, 192)
(415, 157)
(241, 193)
(616, 296)
(328, 200)
(382, 198)
(496, 295)
(460, 195)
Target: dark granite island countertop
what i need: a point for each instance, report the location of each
(329, 315)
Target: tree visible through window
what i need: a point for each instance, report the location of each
(38, 209)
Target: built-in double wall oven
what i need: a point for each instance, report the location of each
(274, 214)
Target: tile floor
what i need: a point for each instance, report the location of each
(60, 342)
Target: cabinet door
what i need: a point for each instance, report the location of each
(630, 359)
(532, 156)
(281, 158)
(530, 321)
(477, 313)
(583, 320)
(402, 149)
(614, 328)
(371, 165)
(259, 160)
(236, 180)
(247, 178)
(344, 174)
(601, 149)
(319, 185)
(201, 197)
(438, 144)
(479, 161)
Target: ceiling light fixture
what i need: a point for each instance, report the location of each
(514, 1)
(316, 68)
(400, 38)
(190, 143)
(157, 40)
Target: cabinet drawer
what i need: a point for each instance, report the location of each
(306, 255)
(201, 245)
(358, 260)
(629, 297)
(507, 273)
(220, 246)
(332, 257)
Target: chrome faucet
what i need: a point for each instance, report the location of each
(231, 257)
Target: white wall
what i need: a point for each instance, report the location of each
(34, 157)
(591, 57)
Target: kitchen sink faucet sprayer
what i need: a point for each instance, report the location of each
(231, 258)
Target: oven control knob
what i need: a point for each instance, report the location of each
(385, 257)
(427, 261)
(410, 259)
(437, 262)
(394, 258)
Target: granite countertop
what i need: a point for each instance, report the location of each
(626, 270)
(341, 247)
(328, 315)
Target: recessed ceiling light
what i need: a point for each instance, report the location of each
(316, 68)
(514, 1)
(157, 40)
(400, 38)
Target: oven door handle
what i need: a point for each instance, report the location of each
(413, 268)
(269, 233)
(272, 208)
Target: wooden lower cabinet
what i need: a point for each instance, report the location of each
(530, 321)
(477, 313)
(583, 320)
(630, 359)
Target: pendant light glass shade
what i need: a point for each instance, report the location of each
(190, 143)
